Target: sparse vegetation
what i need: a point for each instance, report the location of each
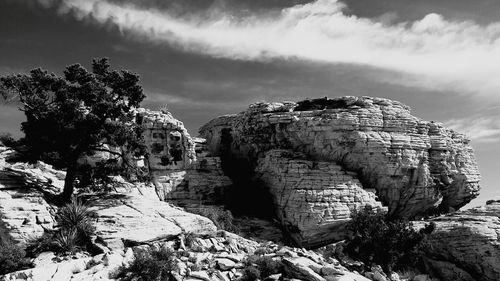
(223, 219)
(12, 258)
(7, 140)
(73, 233)
(189, 239)
(74, 115)
(392, 243)
(149, 265)
(258, 267)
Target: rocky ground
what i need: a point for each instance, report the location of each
(320, 161)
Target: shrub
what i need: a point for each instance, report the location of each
(74, 222)
(264, 265)
(223, 219)
(7, 140)
(149, 265)
(75, 215)
(12, 258)
(189, 239)
(67, 240)
(250, 273)
(392, 243)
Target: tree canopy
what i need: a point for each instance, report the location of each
(75, 114)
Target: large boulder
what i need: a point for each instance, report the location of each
(466, 245)
(181, 169)
(314, 199)
(127, 219)
(413, 166)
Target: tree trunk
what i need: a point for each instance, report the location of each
(69, 183)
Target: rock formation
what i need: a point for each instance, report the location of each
(373, 147)
(466, 245)
(131, 215)
(181, 170)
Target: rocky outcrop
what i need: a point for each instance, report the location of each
(414, 166)
(299, 186)
(24, 213)
(127, 219)
(220, 257)
(131, 215)
(466, 245)
(181, 169)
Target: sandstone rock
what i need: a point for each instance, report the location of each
(331, 270)
(44, 259)
(24, 214)
(182, 171)
(466, 245)
(349, 276)
(300, 270)
(225, 264)
(127, 219)
(170, 145)
(413, 166)
(299, 185)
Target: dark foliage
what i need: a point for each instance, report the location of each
(189, 239)
(149, 265)
(392, 243)
(75, 226)
(327, 103)
(250, 273)
(7, 140)
(223, 219)
(12, 258)
(74, 115)
(259, 266)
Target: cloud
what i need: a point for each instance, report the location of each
(432, 52)
(480, 129)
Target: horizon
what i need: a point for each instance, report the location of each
(438, 57)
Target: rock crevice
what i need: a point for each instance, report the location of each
(414, 166)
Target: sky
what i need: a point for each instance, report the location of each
(206, 58)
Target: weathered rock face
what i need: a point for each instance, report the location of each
(466, 245)
(169, 143)
(24, 213)
(131, 219)
(181, 169)
(414, 166)
(132, 215)
(324, 187)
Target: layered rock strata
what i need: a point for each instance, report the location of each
(131, 215)
(415, 166)
(466, 245)
(313, 198)
(181, 169)
(205, 258)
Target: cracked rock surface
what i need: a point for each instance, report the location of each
(466, 245)
(413, 166)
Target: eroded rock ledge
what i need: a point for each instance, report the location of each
(413, 166)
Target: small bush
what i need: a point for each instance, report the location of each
(392, 243)
(12, 258)
(189, 239)
(67, 241)
(7, 140)
(149, 265)
(265, 266)
(78, 216)
(74, 228)
(250, 273)
(223, 219)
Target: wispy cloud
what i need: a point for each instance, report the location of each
(461, 56)
(479, 129)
